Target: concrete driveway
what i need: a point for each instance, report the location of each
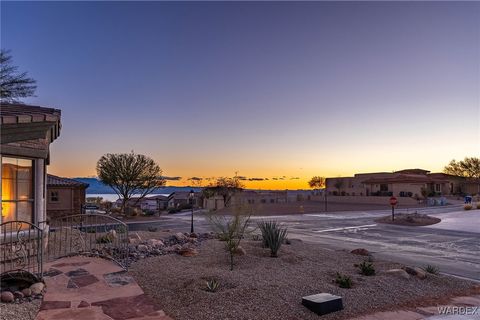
(452, 245)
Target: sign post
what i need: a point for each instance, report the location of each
(393, 203)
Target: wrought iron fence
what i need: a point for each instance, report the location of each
(21, 248)
(91, 234)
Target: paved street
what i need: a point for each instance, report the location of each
(452, 245)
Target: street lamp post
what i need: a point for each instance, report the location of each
(191, 197)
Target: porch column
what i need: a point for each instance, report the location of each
(40, 213)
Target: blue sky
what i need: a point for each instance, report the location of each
(263, 88)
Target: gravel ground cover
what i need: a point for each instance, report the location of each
(261, 287)
(19, 311)
(409, 219)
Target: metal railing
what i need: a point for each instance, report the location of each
(21, 248)
(90, 234)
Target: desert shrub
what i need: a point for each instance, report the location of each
(121, 229)
(343, 281)
(116, 210)
(152, 229)
(149, 212)
(467, 207)
(212, 285)
(273, 235)
(103, 239)
(478, 205)
(91, 230)
(366, 268)
(431, 269)
(287, 241)
(231, 230)
(173, 210)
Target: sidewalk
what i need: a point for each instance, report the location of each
(459, 308)
(79, 288)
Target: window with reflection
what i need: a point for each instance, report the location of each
(17, 189)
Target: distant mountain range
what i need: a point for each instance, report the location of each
(97, 187)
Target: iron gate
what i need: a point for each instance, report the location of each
(21, 248)
(90, 234)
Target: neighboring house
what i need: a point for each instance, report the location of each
(152, 203)
(403, 183)
(248, 197)
(26, 134)
(64, 196)
(182, 198)
(259, 197)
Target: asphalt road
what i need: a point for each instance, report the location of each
(452, 245)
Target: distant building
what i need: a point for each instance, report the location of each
(248, 197)
(182, 198)
(403, 183)
(64, 196)
(149, 203)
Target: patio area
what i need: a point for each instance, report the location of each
(96, 289)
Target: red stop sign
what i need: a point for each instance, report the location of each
(393, 201)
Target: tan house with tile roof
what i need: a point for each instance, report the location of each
(64, 196)
(403, 183)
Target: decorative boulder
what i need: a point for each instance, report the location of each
(180, 236)
(111, 235)
(155, 243)
(142, 248)
(187, 252)
(361, 252)
(134, 238)
(415, 271)
(27, 292)
(240, 251)
(37, 288)
(398, 273)
(7, 296)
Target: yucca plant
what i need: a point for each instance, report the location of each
(431, 269)
(212, 285)
(274, 234)
(343, 281)
(366, 268)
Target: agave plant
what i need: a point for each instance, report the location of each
(273, 235)
(212, 285)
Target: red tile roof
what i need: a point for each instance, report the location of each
(405, 178)
(23, 113)
(59, 181)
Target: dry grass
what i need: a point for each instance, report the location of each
(261, 287)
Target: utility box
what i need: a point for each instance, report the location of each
(323, 303)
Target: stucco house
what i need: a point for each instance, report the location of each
(64, 196)
(26, 134)
(404, 183)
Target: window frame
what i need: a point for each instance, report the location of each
(31, 200)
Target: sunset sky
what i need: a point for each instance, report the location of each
(271, 90)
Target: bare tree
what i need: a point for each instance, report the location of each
(13, 84)
(225, 187)
(231, 229)
(317, 183)
(129, 174)
(468, 168)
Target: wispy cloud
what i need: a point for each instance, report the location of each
(172, 178)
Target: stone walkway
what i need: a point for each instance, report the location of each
(459, 308)
(83, 288)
